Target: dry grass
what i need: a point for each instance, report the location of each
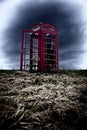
(34, 101)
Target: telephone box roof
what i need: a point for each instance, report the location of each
(44, 25)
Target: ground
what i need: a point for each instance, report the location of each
(37, 101)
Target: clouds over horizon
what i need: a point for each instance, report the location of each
(66, 15)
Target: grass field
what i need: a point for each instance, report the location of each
(43, 101)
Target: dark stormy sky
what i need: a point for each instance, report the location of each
(70, 17)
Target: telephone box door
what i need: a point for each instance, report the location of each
(29, 51)
(50, 53)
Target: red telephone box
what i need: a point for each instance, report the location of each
(39, 50)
